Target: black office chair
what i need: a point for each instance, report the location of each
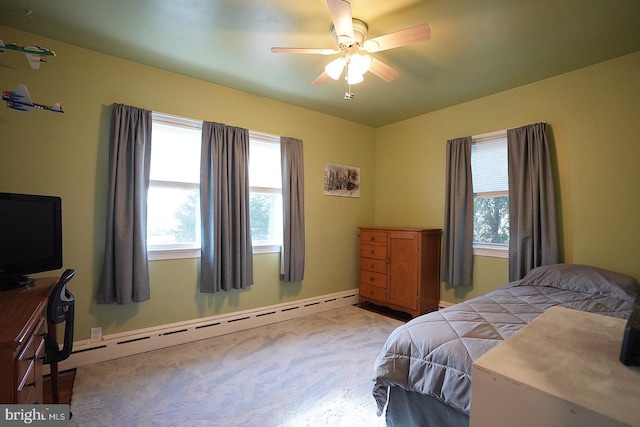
(60, 309)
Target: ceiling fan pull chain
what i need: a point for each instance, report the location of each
(348, 95)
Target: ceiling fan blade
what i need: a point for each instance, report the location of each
(304, 50)
(384, 71)
(342, 20)
(320, 79)
(417, 33)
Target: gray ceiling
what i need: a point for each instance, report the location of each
(478, 47)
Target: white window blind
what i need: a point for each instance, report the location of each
(489, 165)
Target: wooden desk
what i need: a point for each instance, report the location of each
(561, 370)
(23, 319)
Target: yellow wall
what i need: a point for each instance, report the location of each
(67, 155)
(594, 119)
(592, 114)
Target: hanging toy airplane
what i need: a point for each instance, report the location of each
(20, 100)
(35, 54)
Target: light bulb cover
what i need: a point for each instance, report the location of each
(353, 76)
(360, 63)
(335, 67)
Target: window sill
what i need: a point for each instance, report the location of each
(494, 251)
(166, 254)
(267, 249)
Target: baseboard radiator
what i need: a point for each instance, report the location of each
(129, 343)
(444, 304)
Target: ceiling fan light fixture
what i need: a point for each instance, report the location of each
(353, 75)
(359, 63)
(354, 79)
(335, 67)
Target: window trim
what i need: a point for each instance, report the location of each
(267, 138)
(176, 251)
(493, 251)
(187, 251)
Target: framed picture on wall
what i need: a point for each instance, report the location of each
(341, 180)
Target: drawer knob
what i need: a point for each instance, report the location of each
(371, 279)
(371, 293)
(371, 265)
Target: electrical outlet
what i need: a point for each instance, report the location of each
(96, 334)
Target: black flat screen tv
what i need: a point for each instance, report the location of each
(30, 237)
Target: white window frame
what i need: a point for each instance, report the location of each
(175, 251)
(183, 251)
(487, 249)
(264, 248)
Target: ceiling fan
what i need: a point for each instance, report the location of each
(354, 48)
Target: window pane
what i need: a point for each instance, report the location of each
(265, 180)
(175, 153)
(173, 216)
(491, 220)
(266, 218)
(489, 166)
(264, 165)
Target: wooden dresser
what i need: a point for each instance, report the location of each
(23, 319)
(400, 268)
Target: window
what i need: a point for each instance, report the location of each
(173, 203)
(265, 180)
(173, 217)
(489, 170)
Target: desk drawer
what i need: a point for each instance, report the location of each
(29, 367)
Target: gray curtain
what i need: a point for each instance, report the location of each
(457, 245)
(533, 239)
(125, 274)
(227, 258)
(292, 257)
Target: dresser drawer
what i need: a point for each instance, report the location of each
(375, 265)
(374, 237)
(373, 251)
(374, 279)
(372, 292)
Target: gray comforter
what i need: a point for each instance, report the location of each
(433, 354)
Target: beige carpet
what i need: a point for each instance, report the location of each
(312, 371)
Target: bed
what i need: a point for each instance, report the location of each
(422, 376)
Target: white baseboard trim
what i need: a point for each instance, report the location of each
(129, 343)
(444, 304)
